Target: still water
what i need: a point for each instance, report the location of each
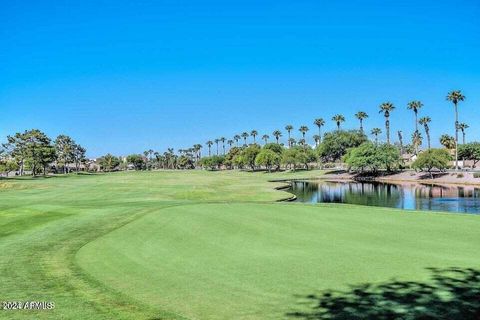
(415, 196)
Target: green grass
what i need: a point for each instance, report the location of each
(203, 245)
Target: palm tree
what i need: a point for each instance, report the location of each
(209, 144)
(222, 139)
(376, 132)
(319, 122)
(303, 130)
(424, 121)
(236, 138)
(289, 128)
(277, 134)
(338, 118)
(447, 141)
(462, 126)
(400, 139)
(230, 143)
(360, 115)
(245, 136)
(265, 138)
(254, 133)
(316, 137)
(216, 142)
(291, 142)
(455, 97)
(386, 108)
(415, 106)
(417, 139)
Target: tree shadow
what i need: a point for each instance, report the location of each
(452, 294)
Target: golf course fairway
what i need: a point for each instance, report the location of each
(204, 245)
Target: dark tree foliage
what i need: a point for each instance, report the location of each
(335, 144)
(452, 294)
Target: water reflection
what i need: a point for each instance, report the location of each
(405, 196)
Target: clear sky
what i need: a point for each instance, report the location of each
(125, 76)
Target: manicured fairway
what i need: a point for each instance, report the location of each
(200, 245)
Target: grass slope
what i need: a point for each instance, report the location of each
(172, 245)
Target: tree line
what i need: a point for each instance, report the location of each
(35, 152)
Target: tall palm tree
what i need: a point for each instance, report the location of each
(254, 133)
(277, 134)
(236, 138)
(245, 136)
(376, 132)
(361, 115)
(222, 139)
(317, 138)
(209, 144)
(303, 130)
(289, 129)
(400, 139)
(265, 138)
(386, 108)
(338, 118)
(415, 106)
(417, 139)
(455, 97)
(230, 143)
(462, 126)
(424, 121)
(216, 142)
(319, 122)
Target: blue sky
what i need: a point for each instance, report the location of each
(125, 76)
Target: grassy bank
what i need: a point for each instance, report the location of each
(167, 245)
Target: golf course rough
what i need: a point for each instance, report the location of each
(204, 245)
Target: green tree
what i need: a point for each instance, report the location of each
(303, 130)
(78, 155)
(424, 121)
(16, 147)
(432, 159)
(249, 154)
(470, 151)
(361, 115)
(386, 108)
(137, 160)
(108, 162)
(335, 144)
(64, 146)
(37, 146)
(7, 166)
(230, 144)
(338, 118)
(317, 139)
(376, 132)
(373, 157)
(267, 158)
(455, 97)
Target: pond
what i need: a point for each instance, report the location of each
(415, 196)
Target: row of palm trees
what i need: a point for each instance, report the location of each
(386, 109)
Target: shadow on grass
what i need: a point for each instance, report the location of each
(452, 294)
